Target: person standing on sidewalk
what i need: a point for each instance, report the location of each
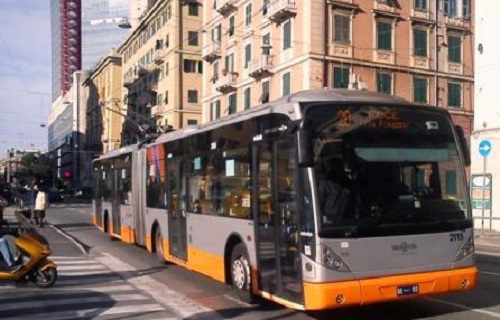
(41, 203)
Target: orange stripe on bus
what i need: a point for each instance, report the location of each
(128, 234)
(333, 295)
(207, 263)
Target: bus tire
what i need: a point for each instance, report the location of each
(159, 245)
(241, 276)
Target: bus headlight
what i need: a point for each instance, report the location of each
(465, 250)
(330, 260)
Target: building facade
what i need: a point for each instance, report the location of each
(162, 68)
(258, 51)
(485, 140)
(104, 117)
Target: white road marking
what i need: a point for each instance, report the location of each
(465, 308)
(163, 294)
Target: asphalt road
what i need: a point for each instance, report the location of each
(209, 299)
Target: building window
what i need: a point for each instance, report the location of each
(229, 63)
(450, 8)
(248, 55)
(420, 90)
(341, 77)
(384, 35)
(451, 182)
(193, 9)
(232, 103)
(341, 28)
(420, 4)
(265, 6)
(190, 65)
(420, 43)
(231, 26)
(216, 34)
(286, 84)
(192, 38)
(287, 35)
(454, 49)
(192, 121)
(466, 9)
(166, 97)
(266, 44)
(265, 92)
(246, 98)
(384, 82)
(193, 96)
(215, 112)
(454, 95)
(248, 15)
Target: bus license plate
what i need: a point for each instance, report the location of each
(406, 290)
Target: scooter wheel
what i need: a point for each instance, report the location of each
(45, 278)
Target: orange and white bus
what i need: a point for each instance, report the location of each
(319, 200)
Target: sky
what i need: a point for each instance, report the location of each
(25, 74)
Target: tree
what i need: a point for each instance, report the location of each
(34, 166)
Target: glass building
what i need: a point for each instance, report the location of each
(100, 31)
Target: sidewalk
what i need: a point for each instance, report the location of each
(59, 244)
(486, 238)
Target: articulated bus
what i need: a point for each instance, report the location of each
(322, 199)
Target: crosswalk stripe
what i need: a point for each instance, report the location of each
(74, 300)
(113, 289)
(84, 273)
(94, 313)
(87, 267)
(76, 262)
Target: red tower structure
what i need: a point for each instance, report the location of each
(71, 41)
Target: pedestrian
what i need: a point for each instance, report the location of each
(41, 203)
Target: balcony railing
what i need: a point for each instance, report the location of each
(159, 56)
(211, 52)
(281, 10)
(261, 67)
(226, 82)
(225, 7)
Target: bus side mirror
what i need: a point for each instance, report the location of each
(305, 150)
(463, 145)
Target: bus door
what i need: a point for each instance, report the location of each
(177, 226)
(115, 205)
(278, 256)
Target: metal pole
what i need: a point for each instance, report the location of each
(484, 190)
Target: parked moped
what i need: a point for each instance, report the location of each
(34, 252)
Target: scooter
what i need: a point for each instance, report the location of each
(36, 267)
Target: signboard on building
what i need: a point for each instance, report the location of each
(481, 191)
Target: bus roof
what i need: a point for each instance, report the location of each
(289, 105)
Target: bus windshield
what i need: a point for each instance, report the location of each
(386, 170)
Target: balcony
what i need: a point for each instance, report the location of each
(140, 70)
(457, 22)
(211, 52)
(225, 7)
(261, 67)
(159, 56)
(226, 83)
(385, 5)
(421, 14)
(127, 83)
(281, 10)
(155, 111)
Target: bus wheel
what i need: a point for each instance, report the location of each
(159, 245)
(240, 273)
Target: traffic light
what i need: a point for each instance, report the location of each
(67, 174)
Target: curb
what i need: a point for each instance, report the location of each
(85, 249)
